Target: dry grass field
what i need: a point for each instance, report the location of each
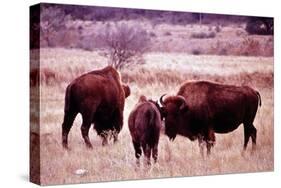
(161, 73)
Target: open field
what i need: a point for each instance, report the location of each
(162, 73)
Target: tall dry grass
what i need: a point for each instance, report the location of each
(162, 73)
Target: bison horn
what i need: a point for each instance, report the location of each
(161, 100)
(183, 102)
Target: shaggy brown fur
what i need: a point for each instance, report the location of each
(201, 109)
(144, 125)
(99, 96)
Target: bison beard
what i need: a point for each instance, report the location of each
(201, 109)
(144, 125)
(99, 97)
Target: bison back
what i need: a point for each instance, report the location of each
(224, 107)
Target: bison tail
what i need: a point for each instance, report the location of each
(151, 120)
(259, 96)
(153, 131)
(67, 99)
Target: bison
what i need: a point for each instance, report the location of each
(201, 108)
(99, 97)
(145, 125)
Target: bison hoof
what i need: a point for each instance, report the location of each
(138, 162)
(104, 143)
(115, 140)
(65, 146)
(89, 146)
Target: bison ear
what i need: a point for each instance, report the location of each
(183, 104)
(127, 90)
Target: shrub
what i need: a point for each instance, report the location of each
(203, 35)
(124, 44)
(152, 34)
(196, 52)
(218, 28)
(167, 33)
(260, 26)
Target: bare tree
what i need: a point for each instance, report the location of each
(124, 44)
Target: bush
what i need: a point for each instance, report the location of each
(203, 35)
(167, 33)
(260, 26)
(124, 44)
(218, 28)
(152, 34)
(196, 52)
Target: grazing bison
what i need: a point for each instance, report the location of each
(200, 109)
(144, 125)
(99, 97)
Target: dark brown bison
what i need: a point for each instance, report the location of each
(99, 97)
(200, 109)
(145, 125)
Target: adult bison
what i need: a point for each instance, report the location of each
(200, 109)
(145, 125)
(99, 97)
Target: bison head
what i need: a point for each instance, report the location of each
(175, 107)
(127, 90)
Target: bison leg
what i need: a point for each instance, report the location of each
(115, 138)
(250, 131)
(137, 148)
(209, 146)
(155, 152)
(210, 140)
(201, 145)
(104, 136)
(66, 126)
(117, 124)
(86, 124)
(115, 135)
(147, 152)
(254, 136)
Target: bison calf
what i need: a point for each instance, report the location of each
(144, 125)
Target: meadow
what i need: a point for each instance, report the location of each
(161, 73)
